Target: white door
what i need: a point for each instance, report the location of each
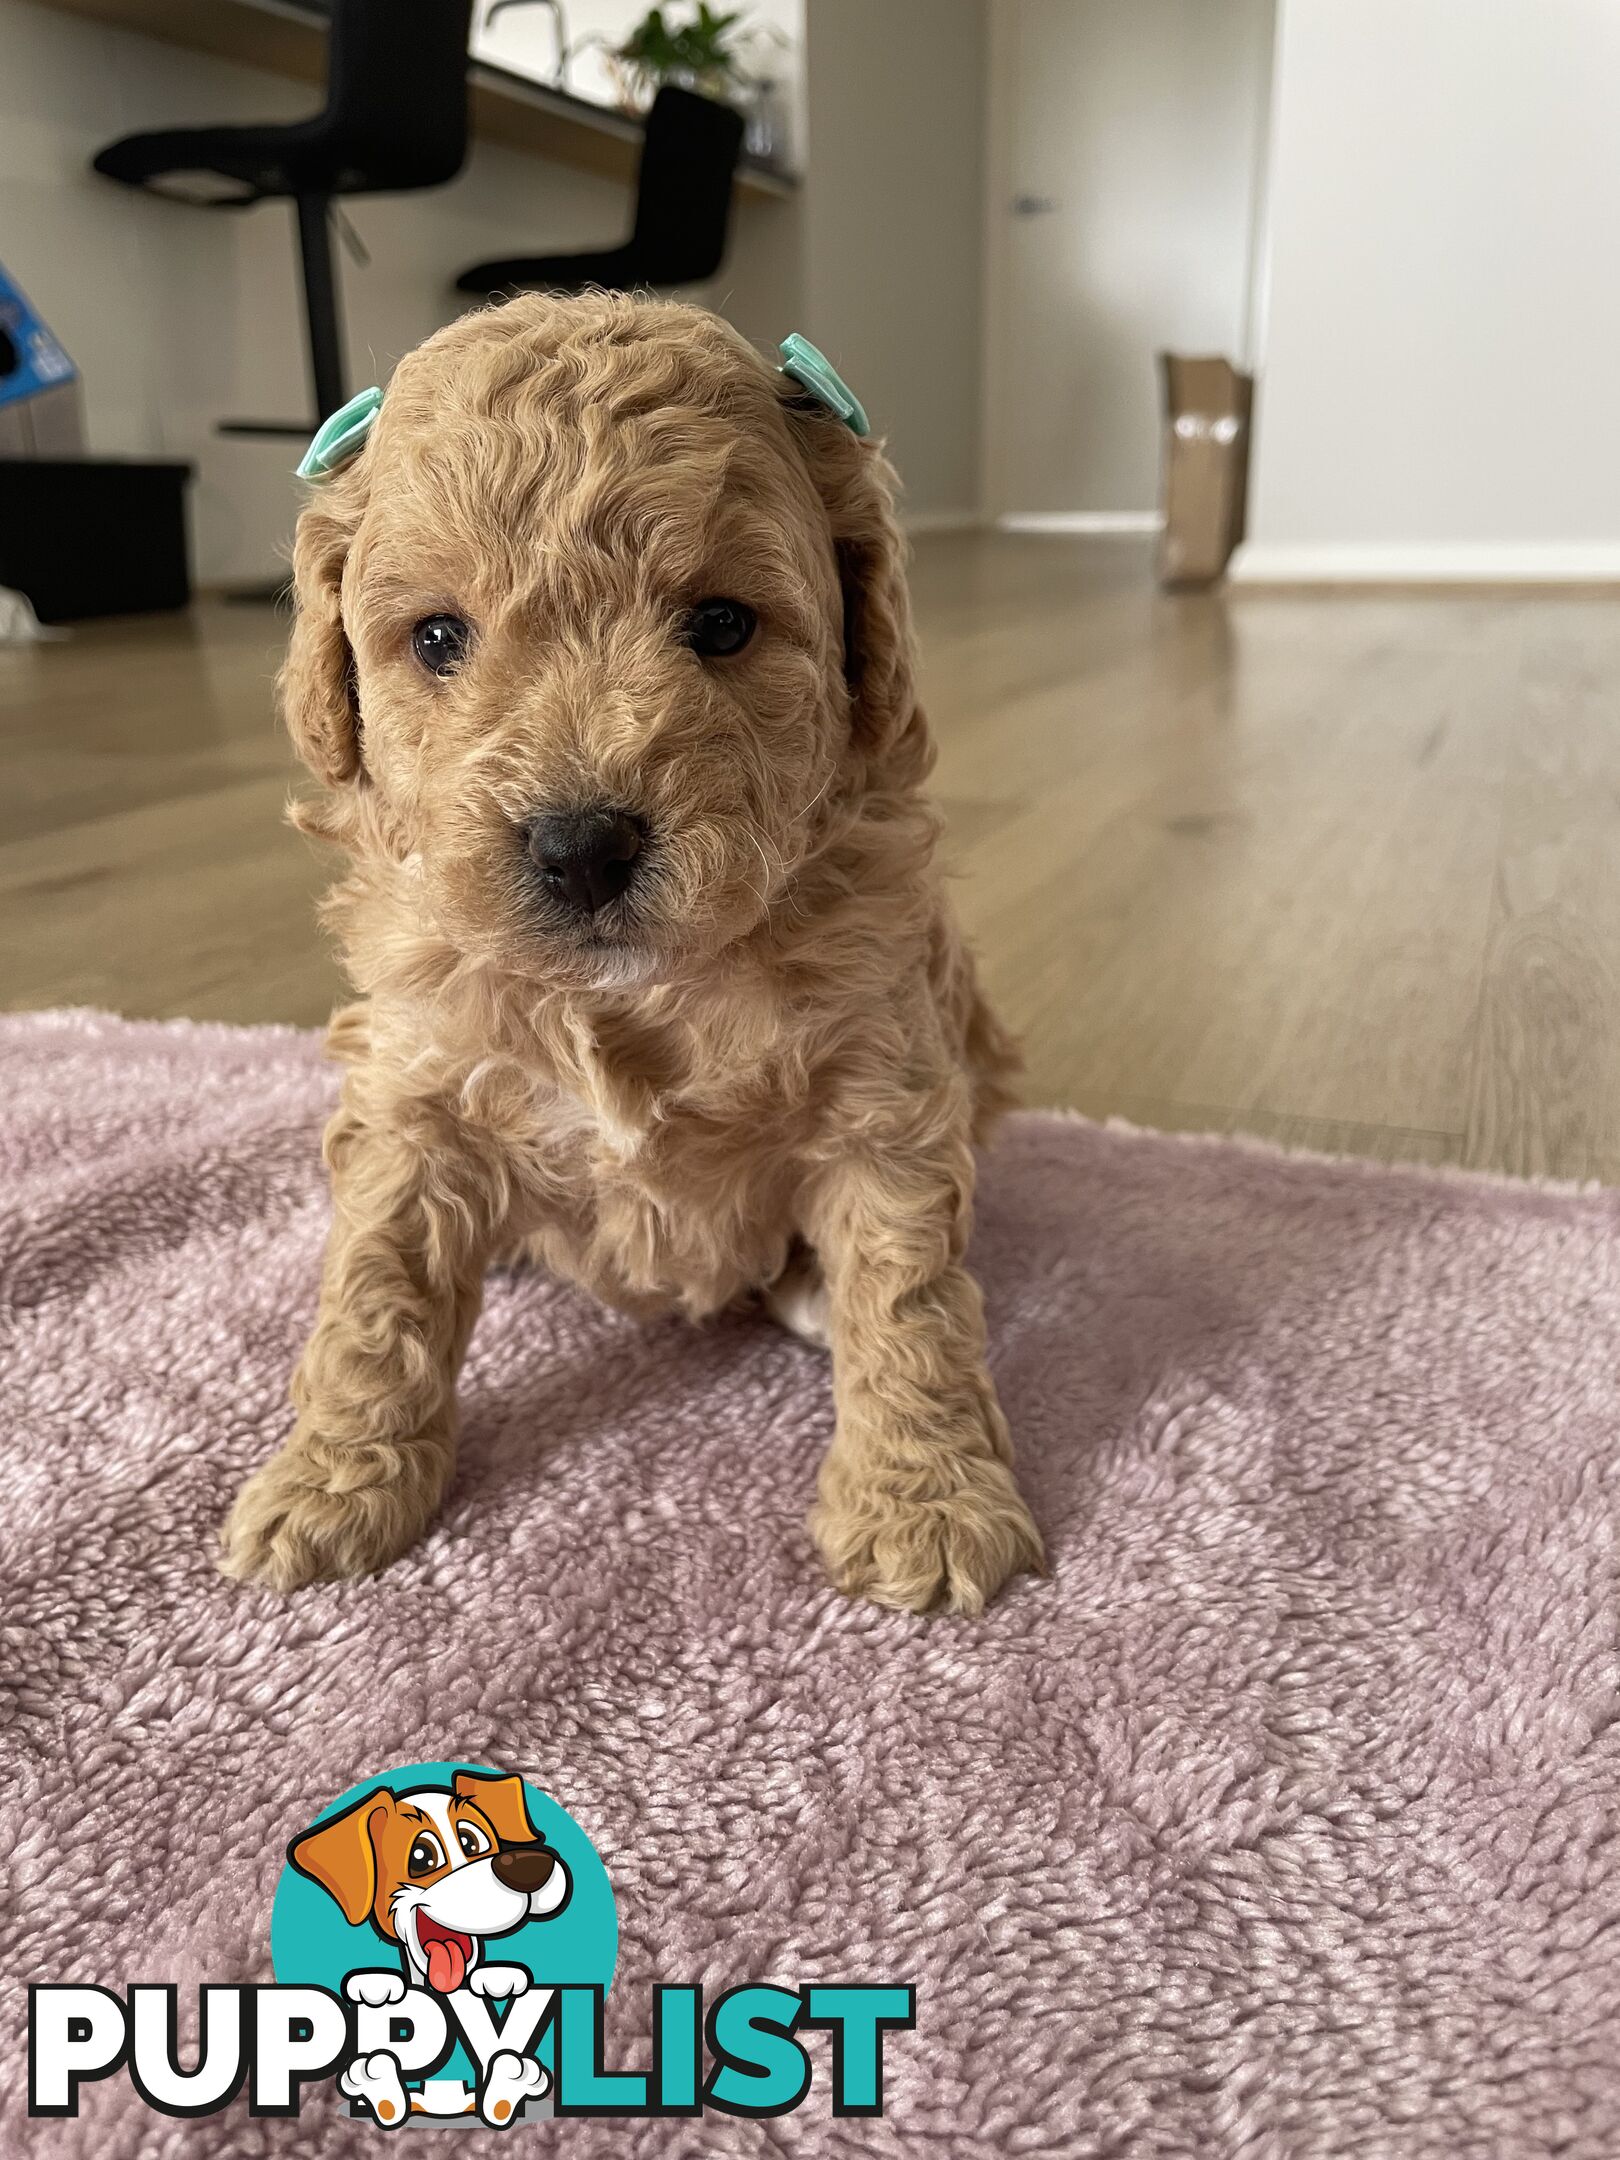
(1125, 147)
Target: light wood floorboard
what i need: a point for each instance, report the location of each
(1341, 870)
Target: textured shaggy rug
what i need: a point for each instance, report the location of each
(1281, 1821)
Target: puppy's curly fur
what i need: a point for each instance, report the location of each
(759, 1070)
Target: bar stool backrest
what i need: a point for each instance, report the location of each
(397, 88)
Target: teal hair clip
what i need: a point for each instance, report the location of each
(342, 437)
(814, 372)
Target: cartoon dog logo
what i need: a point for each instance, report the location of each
(438, 1872)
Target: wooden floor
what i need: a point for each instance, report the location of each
(1340, 870)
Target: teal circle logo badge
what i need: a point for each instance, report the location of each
(446, 1903)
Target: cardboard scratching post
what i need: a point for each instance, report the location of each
(1207, 405)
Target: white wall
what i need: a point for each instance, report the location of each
(1443, 274)
(893, 228)
(1140, 123)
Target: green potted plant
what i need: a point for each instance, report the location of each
(699, 54)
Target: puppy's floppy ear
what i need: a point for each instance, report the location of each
(319, 699)
(341, 1855)
(501, 1799)
(857, 485)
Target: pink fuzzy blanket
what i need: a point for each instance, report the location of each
(1279, 1822)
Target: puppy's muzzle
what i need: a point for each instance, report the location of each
(524, 1867)
(585, 858)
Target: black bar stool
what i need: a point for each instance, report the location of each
(683, 210)
(395, 119)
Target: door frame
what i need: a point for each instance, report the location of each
(1000, 125)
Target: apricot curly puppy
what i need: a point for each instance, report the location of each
(603, 660)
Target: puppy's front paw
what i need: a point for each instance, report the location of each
(323, 1514)
(945, 1542)
(495, 1981)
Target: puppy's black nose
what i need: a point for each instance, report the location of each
(585, 857)
(524, 1867)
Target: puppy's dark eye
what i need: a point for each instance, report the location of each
(440, 642)
(718, 628)
(425, 1855)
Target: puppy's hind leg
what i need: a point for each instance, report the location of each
(798, 1299)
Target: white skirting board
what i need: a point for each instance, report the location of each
(1398, 563)
(939, 521)
(1079, 521)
